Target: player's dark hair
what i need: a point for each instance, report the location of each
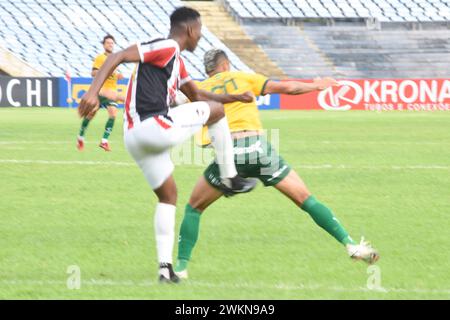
(183, 15)
(108, 36)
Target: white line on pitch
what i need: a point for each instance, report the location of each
(33, 142)
(45, 142)
(299, 141)
(392, 167)
(384, 142)
(224, 285)
(299, 166)
(67, 162)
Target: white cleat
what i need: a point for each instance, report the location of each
(363, 251)
(183, 274)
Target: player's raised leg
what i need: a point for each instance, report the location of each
(219, 132)
(295, 189)
(192, 117)
(149, 143)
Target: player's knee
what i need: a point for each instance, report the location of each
(170, 198)
(302, 196)
(217, 111)
(197, 202)
(198, 207)
(112, 112)
(167, 195)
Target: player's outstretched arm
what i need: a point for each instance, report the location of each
(193, 93)
(298, 87)
(89, 101)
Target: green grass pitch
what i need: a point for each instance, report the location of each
(385, 175)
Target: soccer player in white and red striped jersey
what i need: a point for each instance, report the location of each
(152, 128)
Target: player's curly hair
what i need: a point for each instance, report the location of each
(183, 15)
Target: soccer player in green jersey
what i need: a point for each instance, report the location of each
(256, 158)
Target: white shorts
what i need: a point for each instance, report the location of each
(149, 142)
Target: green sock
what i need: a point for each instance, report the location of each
(324, 217)
(108, 128)
(84, 125)
(188, 236)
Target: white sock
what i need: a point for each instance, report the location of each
(223, 146)
(164, 231)
(104, 140)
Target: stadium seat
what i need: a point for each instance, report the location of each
(384, 10)
(54, 33)
(354, 51)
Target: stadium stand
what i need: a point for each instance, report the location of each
(383, 10)
(13, 66)
(290, 49)
(354, 52)
(52, 34)
(281, 38)
(359, 39)
(218, 21)
(359, 52)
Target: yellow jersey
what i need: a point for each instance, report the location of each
(240, 115)
(111, 82)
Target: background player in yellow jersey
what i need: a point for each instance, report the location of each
(255, 157)
(108, 96)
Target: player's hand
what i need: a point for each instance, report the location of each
(324, 83)
(246, 97)
(89, 104)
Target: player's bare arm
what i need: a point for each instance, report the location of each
(298, 87)
(117, 74)
(110, 94)
(193, 93)
(89, 101)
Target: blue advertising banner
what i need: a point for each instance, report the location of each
(268, 102)
(81, 85)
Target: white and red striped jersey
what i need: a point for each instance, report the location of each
(155, 81)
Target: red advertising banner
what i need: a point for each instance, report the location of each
(376, 95)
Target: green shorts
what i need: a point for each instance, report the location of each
(105, 102)
(254, 157)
